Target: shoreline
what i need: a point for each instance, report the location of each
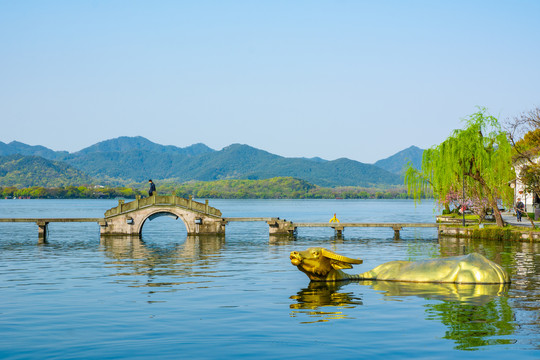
(512, 230)
(490, 233)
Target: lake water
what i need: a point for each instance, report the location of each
(172, 296)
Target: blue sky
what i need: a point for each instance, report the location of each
(356, 79)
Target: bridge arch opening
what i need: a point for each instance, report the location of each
(161, 225)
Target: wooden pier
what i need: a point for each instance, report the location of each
(284, 227)
(42, 223)
(276, 225)
(397, 227)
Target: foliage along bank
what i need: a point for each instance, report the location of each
(281, 188)
(68, 192)
(476, 160)
(275, 188)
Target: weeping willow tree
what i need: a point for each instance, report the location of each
(477, 158)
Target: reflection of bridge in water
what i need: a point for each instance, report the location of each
(128, 219)
(165, 265)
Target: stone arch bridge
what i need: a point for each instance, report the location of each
(129, 218)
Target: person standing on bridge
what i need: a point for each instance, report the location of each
(152, 189)
(334, 219)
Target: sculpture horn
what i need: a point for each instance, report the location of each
(334, 256)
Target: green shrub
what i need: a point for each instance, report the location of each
(496, 233)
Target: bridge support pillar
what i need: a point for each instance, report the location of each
(206, 226)
(338, 230)
(396, 232)
(42, 232)
(281, 227)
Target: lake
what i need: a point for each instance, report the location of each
(170, 296)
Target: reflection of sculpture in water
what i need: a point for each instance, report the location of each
(475, 294)
(320, 294)
(471, 325)
(324, 295)
(320, 264)
(472, 313)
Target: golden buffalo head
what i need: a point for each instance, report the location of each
(320, 264)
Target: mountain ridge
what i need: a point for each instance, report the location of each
(397, 162)
(126, 143)
(135, 159)
(16, 147)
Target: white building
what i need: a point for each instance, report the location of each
(531, 200)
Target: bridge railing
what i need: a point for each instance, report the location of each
(170, 200)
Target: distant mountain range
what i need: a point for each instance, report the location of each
(397, 163)
(135, 159)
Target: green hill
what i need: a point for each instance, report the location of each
(254, 164)
(139, 143)
(397, 162)
(16, 147)
(233, 162)
(25, 171)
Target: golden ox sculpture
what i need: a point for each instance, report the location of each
(320, 264)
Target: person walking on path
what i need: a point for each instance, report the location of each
(520, 209)
(152, 189)
(334, 219)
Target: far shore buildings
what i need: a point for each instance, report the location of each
(531, 200)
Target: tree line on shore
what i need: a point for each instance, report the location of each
(274, 188)
(68, 192)
(282, 188)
